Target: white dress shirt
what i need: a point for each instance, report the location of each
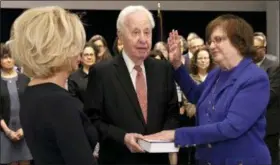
(259, 63)
(132, 72)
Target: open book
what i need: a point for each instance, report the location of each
(158, 146)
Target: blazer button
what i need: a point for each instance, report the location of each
(209, 145)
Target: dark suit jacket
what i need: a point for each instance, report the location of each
(272, 114)
(267, 63)
(77, 84)
(273, 108)
(113, 108)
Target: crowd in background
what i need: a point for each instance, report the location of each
(196, 58)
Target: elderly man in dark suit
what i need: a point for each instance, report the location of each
(273, 115)
(132, 94)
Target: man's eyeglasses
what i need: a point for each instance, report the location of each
(100, 46)
(196, 46)
(259, 47)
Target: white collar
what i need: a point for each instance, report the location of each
(130, 64)
(260, 63)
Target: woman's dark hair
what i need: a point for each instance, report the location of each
(107, 54)
(5, 51)
(239, 32)
(155, 53)
(94, 47)
(98, 37)
(194, 68)
(115, 47)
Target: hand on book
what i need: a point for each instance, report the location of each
(130, 141)
(168, 135)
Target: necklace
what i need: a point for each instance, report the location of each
(213, 94)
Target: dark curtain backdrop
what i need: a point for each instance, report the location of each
(104, 22)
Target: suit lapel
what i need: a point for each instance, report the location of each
(265, 64)
(244, 63)
(124, 78)
(236, 73)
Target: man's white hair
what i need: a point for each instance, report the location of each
(130, 10)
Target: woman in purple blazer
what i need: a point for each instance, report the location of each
(231, 103)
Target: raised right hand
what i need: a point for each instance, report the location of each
(130, 140)
(174, 49)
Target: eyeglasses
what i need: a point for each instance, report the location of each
(196, 46)
(216, 40)
(259, 47)
(87, 54)
(203, 58)
(100, 46)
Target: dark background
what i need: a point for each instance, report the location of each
(104, 22)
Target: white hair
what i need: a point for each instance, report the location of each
(130, 10)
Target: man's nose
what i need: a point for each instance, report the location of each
(142, 38)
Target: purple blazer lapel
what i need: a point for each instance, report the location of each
(210, 82)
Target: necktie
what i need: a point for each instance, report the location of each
(141, 90)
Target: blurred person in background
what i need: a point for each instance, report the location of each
(162, 46)
(117, 46)
(189, 38)
(261, 59)
(262, 37)
(202, 64)
(157, 54)
(272, 116)
(194, 45)
(104, 52)
(184, 45)
(13, 148)
(77, 81)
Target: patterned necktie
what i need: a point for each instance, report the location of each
(141, 90)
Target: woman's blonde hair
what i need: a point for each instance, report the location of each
(45, 40)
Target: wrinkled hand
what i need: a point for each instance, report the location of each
(174, 49)
(168, 135)
(130, 141)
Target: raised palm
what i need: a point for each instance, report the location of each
(174, 49)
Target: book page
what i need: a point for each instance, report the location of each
(157, 141)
